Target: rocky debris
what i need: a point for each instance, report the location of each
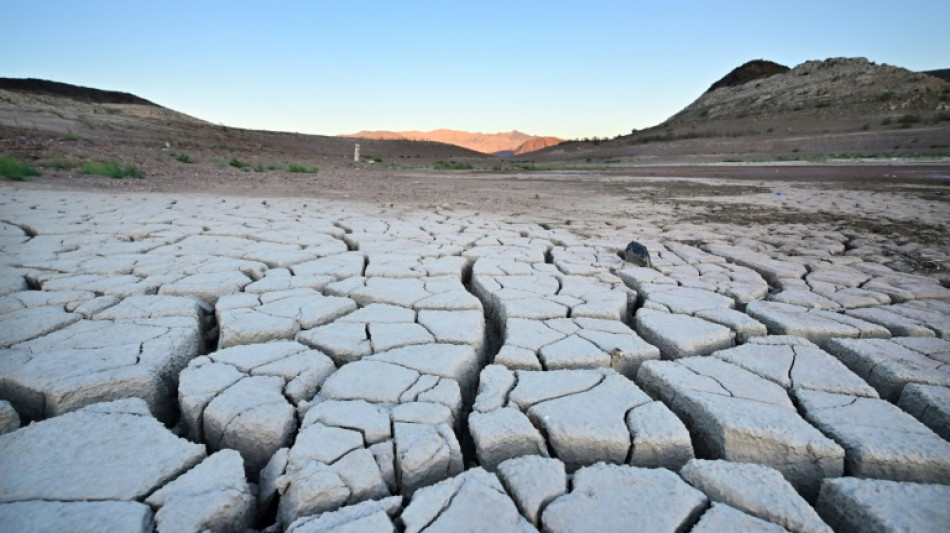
(608, 498)
(679, 336)
(136, 348)
(930, 404)
(889, 365)
(245, 397)
(564, 343)
(879, 439)
(735, 415)
(472, 501)
(347, 452)
(918, 318)
(852, 505)
(816, 325)
(581, 417)
(105, 451)
(757, 490)
(9, 419)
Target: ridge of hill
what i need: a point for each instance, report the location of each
(943, 74)
(756, 69)
(73, 92)
(503, 144)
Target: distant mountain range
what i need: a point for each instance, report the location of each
(502, 144)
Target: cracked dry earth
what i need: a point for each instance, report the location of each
(179, 364)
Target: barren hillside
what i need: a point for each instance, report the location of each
(848, 107)
(506, 143)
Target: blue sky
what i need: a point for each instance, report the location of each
(570, 69)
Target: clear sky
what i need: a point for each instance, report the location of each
(564, 68)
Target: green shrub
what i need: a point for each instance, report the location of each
(111, 169)
(451, 165)
(909, 119)
(70, 136)
(301, 169)
(16, 170)
(237, 163)
(183, 158)
(886, 121)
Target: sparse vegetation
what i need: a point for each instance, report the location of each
(60, 164)
(16, 170)
(909, 119)
(527, 166)
(301, 169)
(237, 163)
(69, 136)
(451, 165)
(111, 169)
(886, 121)
(182, 158)
(865, 127)
(886, 96)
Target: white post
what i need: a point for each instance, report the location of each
(356, 153)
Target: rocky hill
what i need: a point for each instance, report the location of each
(762, 111)
(73, 92)
(753, 70)
(537, 143)
(503, 144)
(832, 89)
